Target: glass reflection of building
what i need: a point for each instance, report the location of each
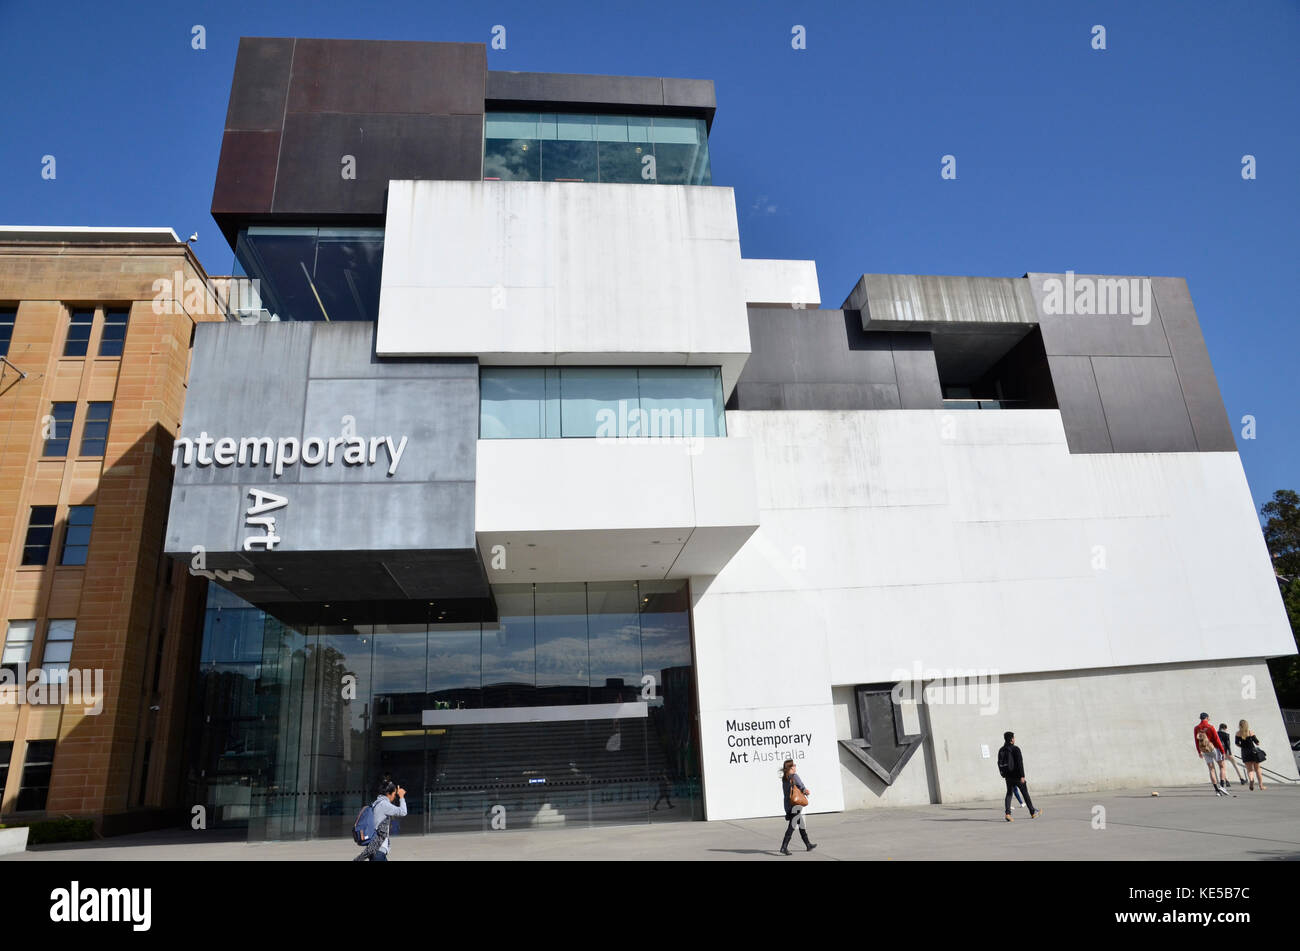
(301, 716)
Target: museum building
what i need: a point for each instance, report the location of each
(519, 483)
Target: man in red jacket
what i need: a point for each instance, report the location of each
(1211, 734)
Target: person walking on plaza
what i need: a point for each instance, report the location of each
(1251, 754)
(1011, 764)
(1203, 733)
(1212, 759)
(385, 810)
(1226, 742)
(795, 796)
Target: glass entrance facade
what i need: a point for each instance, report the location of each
(551, 705)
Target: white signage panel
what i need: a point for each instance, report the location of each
(745, 747)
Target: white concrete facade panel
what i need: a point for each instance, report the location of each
(774, 283)
(613, 509)
(556, 273)
(896, 540)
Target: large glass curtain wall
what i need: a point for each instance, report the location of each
(314, 273)
(574, 706)
(617, 402)
(548, 147)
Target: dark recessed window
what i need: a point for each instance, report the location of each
(77, 541)
(58, 649)
(95, 436)
(40, 535)
(7, 317)
(110, 345)
(6, 754)
(58, 429)
(36, 775)
(79, 333)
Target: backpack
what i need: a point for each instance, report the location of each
(1005, 762)
(363, 830)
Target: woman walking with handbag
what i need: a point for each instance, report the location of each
(1251, 754)
(795, 794)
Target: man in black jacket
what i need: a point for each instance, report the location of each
(1012, 767)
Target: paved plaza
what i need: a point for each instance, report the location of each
(1187, 823)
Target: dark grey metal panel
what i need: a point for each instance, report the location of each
(1144, 404)
(430, 413)
(245, 173)
(387, 76)
(1196, 377)
(749, 396)
(789, 345)
(918, 374)
(634, 94)
(403, 516)
(1124, 335)
(385, 147)
(839, 396)
(403, 110)
(261, 84)
(245, 381)
(1082, 414)
(255, 381)
(348, 351)
(574, 88)
(693, 93)
(1078, 336)
(932, 302)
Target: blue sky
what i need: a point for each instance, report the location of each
(1122, 161)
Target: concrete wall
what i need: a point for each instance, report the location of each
(613, 509)
(772, 283)
(892, 540)
(1106, 729)
(556, 273)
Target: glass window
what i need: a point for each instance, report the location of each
(399, 680)
(510, 400)
(681, 151)
(314, 273)
(35, 788)
(40, 535)
(682, 401)
(110, 344)
(550, 147)
(18, 644)
(455, 669)
(512, 148)
(79, 333)
(94, 437)
(6, 754)
(598, 401)
(76, 543)
(569, 150)
(624, 149)
(535, 402)
(509, 650)
(58, 429)
(562, 660)
(665, 630)
(58, 649)
(7, 317)
(615, 642)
